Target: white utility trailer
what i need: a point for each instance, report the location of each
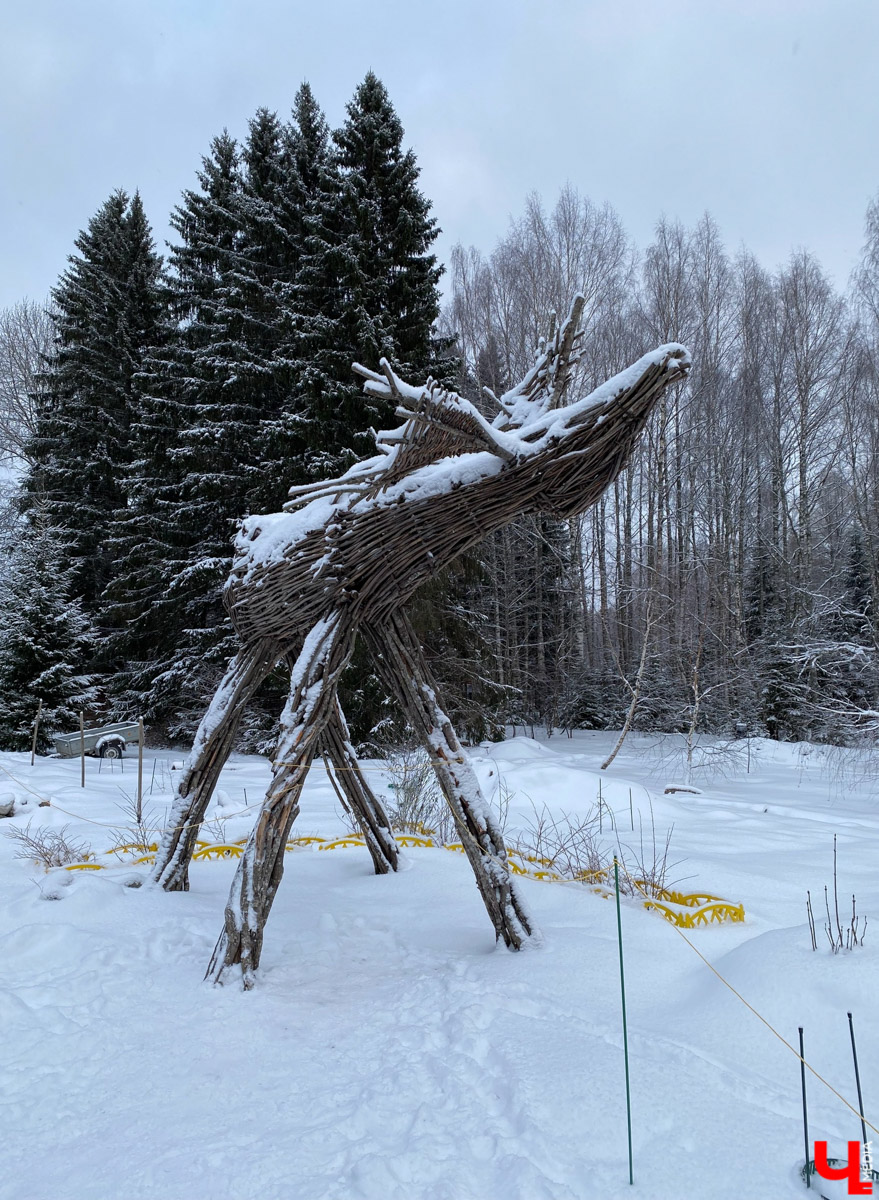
(106, 741)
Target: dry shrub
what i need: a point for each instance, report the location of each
(418, 805)
(570, 846)
(839, 937)
(49, 847)
(646, 866)
(141, 832)
(563, 844)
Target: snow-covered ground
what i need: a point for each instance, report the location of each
(390, 1051)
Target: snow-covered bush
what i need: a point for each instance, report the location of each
(49, 847)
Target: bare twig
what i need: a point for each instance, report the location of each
(811, 919)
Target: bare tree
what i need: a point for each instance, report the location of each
(537, 579)
(25, 340)
(26, 333)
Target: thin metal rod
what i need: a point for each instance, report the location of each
(82, 749)
(616, 879)
(857, 1079)
(805, 1111)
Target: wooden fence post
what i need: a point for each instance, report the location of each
(36, 731)
(139, 769)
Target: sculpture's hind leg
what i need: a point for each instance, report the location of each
(211, 748)
(400, 660)
(362, 801)
(310, 705)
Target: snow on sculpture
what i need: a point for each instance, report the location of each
(343, 558)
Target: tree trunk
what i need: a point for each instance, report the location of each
(636, 693)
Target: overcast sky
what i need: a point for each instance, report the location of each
(763, 112)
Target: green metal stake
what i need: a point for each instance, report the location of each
(858, 1080)
(616, 880)
(805, 1111)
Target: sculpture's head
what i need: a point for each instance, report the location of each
(561, 453)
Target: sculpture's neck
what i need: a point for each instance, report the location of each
(415, 535)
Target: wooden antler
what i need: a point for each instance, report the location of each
(544, 386)
(438, 423)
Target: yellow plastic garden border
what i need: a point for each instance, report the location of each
(701, 908)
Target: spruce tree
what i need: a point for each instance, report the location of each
(368, 287)
(857, 683)
(46, 642)
(219, 436)
(189, 471)
(295, 258)
(306, 174)
(151, 596)
(780, 700)
(107, 309)
(858, 609)
(393, 276)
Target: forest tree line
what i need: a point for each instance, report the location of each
(726, 581)
(731, 571)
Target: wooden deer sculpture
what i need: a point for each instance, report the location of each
(344, 557)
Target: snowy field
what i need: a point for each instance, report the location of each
(390, 1051)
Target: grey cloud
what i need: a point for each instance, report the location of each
(763, 113)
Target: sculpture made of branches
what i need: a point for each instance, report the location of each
(343, 558)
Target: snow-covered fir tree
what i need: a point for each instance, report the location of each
(307, 173)
(293, 261)
(218, 436)
(368, 287)
(157, 535)
(46, 640)
(108, 308)
(393, 275)
(190, 467)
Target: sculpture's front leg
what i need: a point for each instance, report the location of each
(210, 750)
(310, 705)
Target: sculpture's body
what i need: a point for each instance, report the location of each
(344, 561)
